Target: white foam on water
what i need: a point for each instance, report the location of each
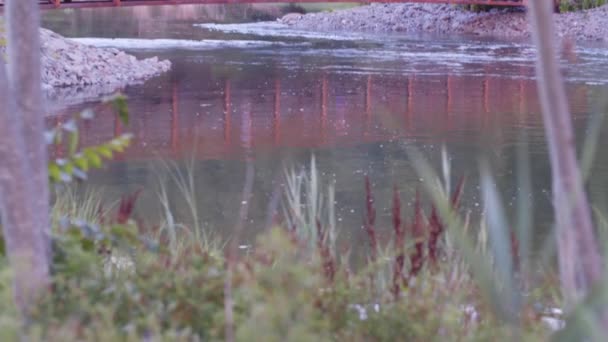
(183, 44)
(459, 58)
(277, 29)
(444, 57)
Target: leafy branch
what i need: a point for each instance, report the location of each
(79, 161)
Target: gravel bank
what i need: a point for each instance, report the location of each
(446, 19)
(70, 64)
(70, 69)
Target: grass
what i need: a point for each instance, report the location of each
(577, 5)
(182, 179)
(87, 207)
(562, 5)
(441, 276)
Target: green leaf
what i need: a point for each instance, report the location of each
(75, 234)
(118, 147)
(104, 151)
(82, 163)
(54, 172)
(73, 142)
(124, 232)
(94, 159)
(120, 143)
(68, 168)
(120, 105)
(87, 244)
(63, 170)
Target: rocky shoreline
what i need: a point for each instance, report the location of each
(66, 63)
(73, 68)
(590, 25)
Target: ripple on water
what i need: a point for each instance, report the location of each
(276, 29)
(184, 44)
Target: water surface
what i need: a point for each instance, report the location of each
(265, 93)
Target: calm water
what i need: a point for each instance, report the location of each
(261, 92)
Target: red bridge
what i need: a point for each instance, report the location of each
(54, 4)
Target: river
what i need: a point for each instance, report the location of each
(241, 91)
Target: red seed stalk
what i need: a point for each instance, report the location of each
(436, 228)
(370, 219)
(457, 194)
(399, 243)
(417, 230)
(126, 207)
(515, 250)
(293, 236)
(329, 268)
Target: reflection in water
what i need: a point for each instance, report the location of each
(324, 111)
(354, 124)
(149, 22)
(355, 105)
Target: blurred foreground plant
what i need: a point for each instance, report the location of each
(77, 162)
(282, 289)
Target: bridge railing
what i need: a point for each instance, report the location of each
(55, 4)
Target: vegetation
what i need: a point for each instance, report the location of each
(561, 5)
(98, 274)
(577, 5)
(77, 162)
(113, 280)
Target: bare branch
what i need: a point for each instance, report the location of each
(579, 259)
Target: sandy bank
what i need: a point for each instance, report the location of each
(448, 19)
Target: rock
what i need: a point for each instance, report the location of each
(73, 72)
(448, 19)
(290, 18)
(67, 63)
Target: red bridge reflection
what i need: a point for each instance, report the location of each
(233, 117)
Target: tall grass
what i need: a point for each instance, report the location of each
(172, 175)
(88, 206)
(441, 275)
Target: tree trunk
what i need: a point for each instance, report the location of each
(25, 243)
(23, 172)
(578, 255)
(24, 72)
